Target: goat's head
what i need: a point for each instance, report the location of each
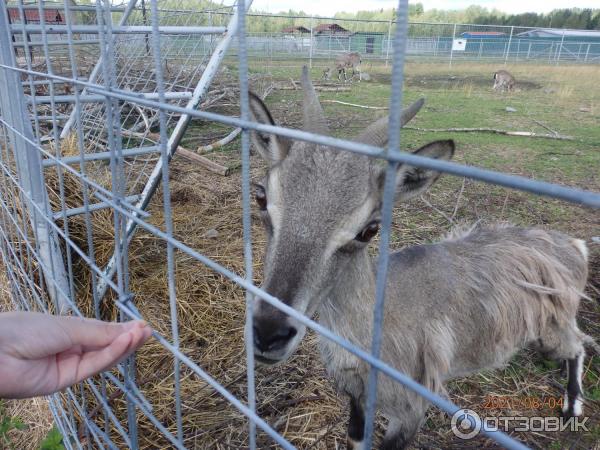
(321, 206)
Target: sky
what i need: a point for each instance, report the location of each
(330, 7)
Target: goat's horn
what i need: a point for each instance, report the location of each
(411, 111)
(314, 117)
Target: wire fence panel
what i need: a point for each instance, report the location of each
(88, 126)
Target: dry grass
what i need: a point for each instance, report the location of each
(297, 398)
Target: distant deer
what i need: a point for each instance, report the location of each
(453, 308)
(503, 80)
(342, 63)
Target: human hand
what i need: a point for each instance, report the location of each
(41, 354)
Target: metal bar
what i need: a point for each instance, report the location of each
(512, 29)
(587, 52)
(310, 50)
(389, 192)
(14, 110)
(132, 29)
(62, 43)
(562, 41)
(389, 44)
(177, 134)
(54, 7)
(58, 150)
(452, 47)
(246, 219)
(94, 207)
(100, 156)
(96, 70)
(165, 158)
(45, 99)
(113, 129)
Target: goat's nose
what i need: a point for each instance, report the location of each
(273, 338)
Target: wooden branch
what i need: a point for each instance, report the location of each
(440, 212)
(559, 137)
(187, 154)
(555, 133)
(318, 88)
(220, 143)
(462, 188)
(354, 104)
(203, 161)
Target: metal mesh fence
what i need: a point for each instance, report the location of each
(123, 106)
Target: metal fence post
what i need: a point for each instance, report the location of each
(512, 29)
(310, 50)
(452, 44)
(562, 40)
(587, 52)
(29, 168)
(389, 43)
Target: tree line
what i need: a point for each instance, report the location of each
(575, 18)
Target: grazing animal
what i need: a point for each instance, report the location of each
(453, 308)
(503, 80)
(343, 63)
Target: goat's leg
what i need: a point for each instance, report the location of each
(573, 405)
(567, 344)
(356, 425)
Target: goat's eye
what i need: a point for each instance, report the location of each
(368, 232)
(261, 197)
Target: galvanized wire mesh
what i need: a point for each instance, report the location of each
(148, 69)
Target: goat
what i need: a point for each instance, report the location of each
(343, 62)
(453, 308)
(503, 80)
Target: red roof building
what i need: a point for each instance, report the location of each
(51, 16)
(331, 28)
(298, 29)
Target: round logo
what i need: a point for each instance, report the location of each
(465, 424)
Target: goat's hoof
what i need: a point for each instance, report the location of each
(351, 444)
(572, 410)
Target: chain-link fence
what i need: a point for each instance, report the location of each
(84, 146)
(317, 38)
(325, 38)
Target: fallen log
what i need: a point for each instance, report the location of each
(203, 161)
(187, 154)
(354, 104)
(530, 134)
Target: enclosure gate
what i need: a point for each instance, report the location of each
(107, 111)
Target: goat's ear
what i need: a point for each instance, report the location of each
(412, 181)
(271, 147)
(377, 133)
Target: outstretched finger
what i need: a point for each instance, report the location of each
(95, 334)
(97, 361)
